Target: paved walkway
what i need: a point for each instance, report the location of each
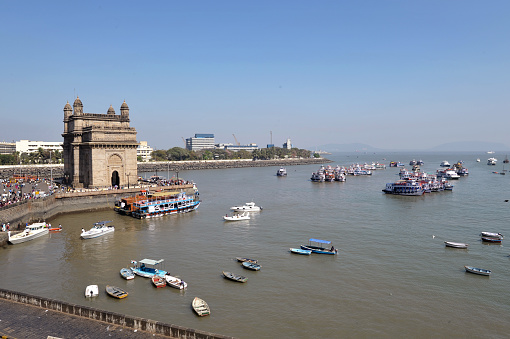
(21, 321)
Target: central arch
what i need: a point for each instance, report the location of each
(115, 179)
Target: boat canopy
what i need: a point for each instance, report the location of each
(102, 223)
(151, 262)
(320, 241)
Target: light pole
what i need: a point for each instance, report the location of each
(51, 172)
(128, 178)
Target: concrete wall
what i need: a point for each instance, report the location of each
(141, 324)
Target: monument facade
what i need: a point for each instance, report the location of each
(99, 149)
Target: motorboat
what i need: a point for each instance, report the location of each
(248, 207)
(147, 268)
(175, 282)
(455, 244)
(492, 161)
(281, 172)
(236, 217)
(445, 164)
(317, 246)
(476, 270)
(99, 229)
(251, 266)
(54, 229)
(91, 291)
(404, 187)
(31, 232)
(200, 307)
(235, 277)
(116, 292)
(127, 274)
(491, 234)
(158, 281)
(413, 162)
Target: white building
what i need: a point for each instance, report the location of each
(287, 144)
(144, 151)
(27, 146)
(200, 141)
(7, 147)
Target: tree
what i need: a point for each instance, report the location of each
(159, 155)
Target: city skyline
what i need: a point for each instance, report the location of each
(390, 74)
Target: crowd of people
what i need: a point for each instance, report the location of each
(13, 191)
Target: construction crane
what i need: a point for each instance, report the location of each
(237, 142)
(184, 141)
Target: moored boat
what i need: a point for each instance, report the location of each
(158, 281)
(91, 291)
(247, 259)
(237, 217)
(235, 277)
(147, 268)
(404, 187)
(248, 207)
(491, 234)
(492, 161)
(54, 229)
(99, 229)
(164, 203)
(492, 239)
(476, 270)
(251, 266)
(445, 163)
(127, 274)
(300, 251)
(200, 307)
(455, 244)
(31, 232)
(316, 246)
(175, 282)
(116, 292)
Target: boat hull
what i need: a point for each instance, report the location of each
(96, 234)
(235, 277)
(175, 282)
(116, 292)
(91, 291)
(200, 307)
(479, 271)
(251, 266)
(127, 274)
(300, 251)
(455, 244)
(318, 250)
(24, 236)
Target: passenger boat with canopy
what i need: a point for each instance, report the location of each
(317, 246)
(163, 203)
(147, 268)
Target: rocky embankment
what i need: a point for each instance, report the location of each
(57, 171)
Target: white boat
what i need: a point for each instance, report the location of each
(455, 244)
(31, 232)
(492, 161)
(445, 164)
(478, 160)
(236, 217)
(97, 230)
(175, 282)
(477, 270)
(281, 172)
(492, 234)
(248, 207)
(91, 291)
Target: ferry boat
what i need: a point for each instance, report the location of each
(404, 187)
(126, 205)
(31, 232)
(163, 203)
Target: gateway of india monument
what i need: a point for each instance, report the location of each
(99, 149)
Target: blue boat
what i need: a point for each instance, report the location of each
(147, 268)
(251, 266)
(317, 246)
(300, 251)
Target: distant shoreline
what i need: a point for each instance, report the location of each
(56, 171)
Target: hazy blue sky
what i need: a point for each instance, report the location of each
(392, 74)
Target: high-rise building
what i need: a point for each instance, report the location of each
(200, 141)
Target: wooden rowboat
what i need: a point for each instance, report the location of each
(492, 239)
(251, 266)
(200, 307)
(127, 274)
(247, 259)
(235, 277)
(158, 281)
(455, 244)
(476, 270)
(300, 251)
(116, 292)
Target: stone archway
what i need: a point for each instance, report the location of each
(115, 179)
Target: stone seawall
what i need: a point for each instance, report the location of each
(86, 312)
(56, 171)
